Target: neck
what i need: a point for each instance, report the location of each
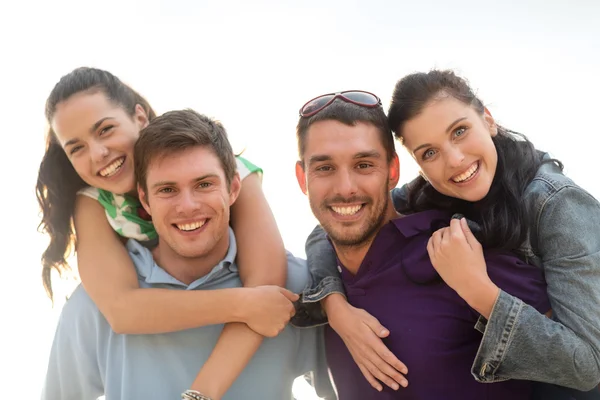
(353, 256)
(189, 269)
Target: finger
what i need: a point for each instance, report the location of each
(385, 360)
(375, 326)
(392, 360)
(471, 239)
(456, 230)
(381, 376)
(431, 250)
(393, 378)
(436, 239)
(370, 378)
(446, 234)
(290, 295)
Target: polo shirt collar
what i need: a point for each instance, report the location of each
(425, 221)
(152, 273)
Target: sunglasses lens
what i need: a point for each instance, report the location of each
(316, 104)
(362, 98)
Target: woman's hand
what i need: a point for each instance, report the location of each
(362, 333)
(458, 257)
(267, 309)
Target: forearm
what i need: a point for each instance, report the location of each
(233, 351)
(322, 266)
(150, 311)
(567, 358)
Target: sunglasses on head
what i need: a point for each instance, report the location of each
(358, 97)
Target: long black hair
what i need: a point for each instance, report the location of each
(58, 182)
(503, 214)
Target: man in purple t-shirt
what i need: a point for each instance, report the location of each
(347, 167)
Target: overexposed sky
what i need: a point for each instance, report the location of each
(252, 65)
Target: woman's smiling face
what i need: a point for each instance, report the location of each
(452, 143)
(98, 138)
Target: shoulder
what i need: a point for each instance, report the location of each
(246, 167)
(79, 314)
(297, 274)
(551, 185)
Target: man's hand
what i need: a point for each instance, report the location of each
(362, 333)
(458, 257)
(267, 309)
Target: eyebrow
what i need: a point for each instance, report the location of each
(173, 183)
(367, 154)
(92, 130)
(362, 154)
(448, 129)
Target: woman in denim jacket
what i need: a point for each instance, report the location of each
(516, 198)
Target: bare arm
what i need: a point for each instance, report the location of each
(110, 278)
(262, 261)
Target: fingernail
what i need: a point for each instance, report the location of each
(379, 388)
(404, 383)
(384, 332)
(395, 386)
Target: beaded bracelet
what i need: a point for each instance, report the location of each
(193, 395)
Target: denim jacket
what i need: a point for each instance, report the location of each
(518, 342)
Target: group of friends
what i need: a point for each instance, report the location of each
(479, 279)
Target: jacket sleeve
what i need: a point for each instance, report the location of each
(324, 280)
(73, 371)
(521, 343)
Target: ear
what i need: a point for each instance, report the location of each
(234, 188)
(491, 123)
(143, 199)
(301, 177)
(394, 172)
(140, 117)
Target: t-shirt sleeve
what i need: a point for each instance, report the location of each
(73, 369)
(246, 168)
(518, 278)
(90, 192)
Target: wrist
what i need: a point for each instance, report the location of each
(238, 301)
(482, 297)
(334, 303)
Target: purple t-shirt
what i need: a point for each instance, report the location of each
(432, 329)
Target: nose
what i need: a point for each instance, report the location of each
(187, 203)
(454, 156)
(346, 183)
(98, 151)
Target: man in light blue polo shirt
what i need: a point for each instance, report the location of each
(187, 184)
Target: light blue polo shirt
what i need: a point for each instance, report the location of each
(89, 360)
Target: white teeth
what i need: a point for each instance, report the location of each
(192, 226)
(346, 210)
(467, 174)
(112, 168)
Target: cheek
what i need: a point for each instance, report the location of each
(81, 165)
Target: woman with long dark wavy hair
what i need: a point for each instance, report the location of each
(519, 200)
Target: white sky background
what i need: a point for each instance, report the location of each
(252, 65)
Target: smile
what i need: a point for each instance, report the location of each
(346, 211)
(192, 226)
(468, 174)
(112, 168)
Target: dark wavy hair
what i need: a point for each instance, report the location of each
(58, 182)
(503, 214)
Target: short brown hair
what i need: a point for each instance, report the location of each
(349, 114)
(176, 131)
